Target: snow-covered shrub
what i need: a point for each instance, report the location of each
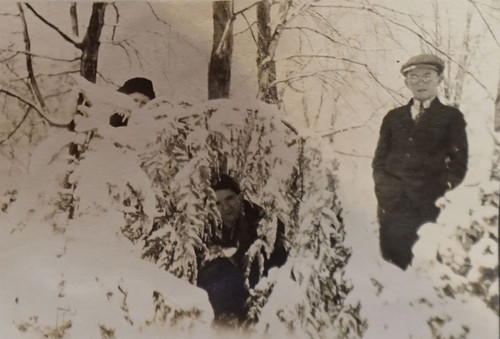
(458, 255)
(308, 294)
(285, 174)
(143, 192)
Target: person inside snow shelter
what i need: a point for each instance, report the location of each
(141, 91)
(224, 277)
(421, 153)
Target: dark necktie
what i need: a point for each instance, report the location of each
(421, 110)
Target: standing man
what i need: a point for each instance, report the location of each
(421, 153)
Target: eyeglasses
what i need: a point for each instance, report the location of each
(413, 78)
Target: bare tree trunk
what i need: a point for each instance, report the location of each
(219, 71)
(266, 66)
(74, 18)
(91, 42)
(88, 65)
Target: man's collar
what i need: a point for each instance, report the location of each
(427, 103)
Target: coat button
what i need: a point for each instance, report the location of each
(411, 139)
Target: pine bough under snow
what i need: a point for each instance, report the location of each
(106, 244)
(458, 255)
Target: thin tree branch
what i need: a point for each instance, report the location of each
(156, 15)
(58, 93)
(325, 81)
(250, 28)
(16, 128)
(485, 22)
(227, 28)
(13, 71)
(241, 11)
(39, 75)
(488, 5)
(320, 106)
(246, 29)
(136, 52)
(343, 130)
(308, 75)
(423, 29)
(8, 14)
(58, 73)
(310, 56)
(78, 45)
(120, 44)
(390, 9)
(29, 63)
(36, 108)
(105, 79)
(353, 155)
(367, 68)
(293, 129)
(316, 15)
(9, 57)
(303, 28)
(118, 19)
(40, 56)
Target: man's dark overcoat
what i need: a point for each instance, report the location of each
(414, 164)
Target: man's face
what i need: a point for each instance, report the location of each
(139, 99)
(423, 83)
(229, 206)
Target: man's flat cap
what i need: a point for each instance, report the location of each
(423, 61)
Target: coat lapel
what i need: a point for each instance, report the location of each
(430, 114)
(406, 119)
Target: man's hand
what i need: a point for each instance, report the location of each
(221, 251)
(124, 114)
(216, 251)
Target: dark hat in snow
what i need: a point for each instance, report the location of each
(138, 85)
(226, 182)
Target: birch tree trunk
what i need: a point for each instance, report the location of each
(219, 72)
(265, 52)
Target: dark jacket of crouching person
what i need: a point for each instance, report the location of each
(224, 277)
